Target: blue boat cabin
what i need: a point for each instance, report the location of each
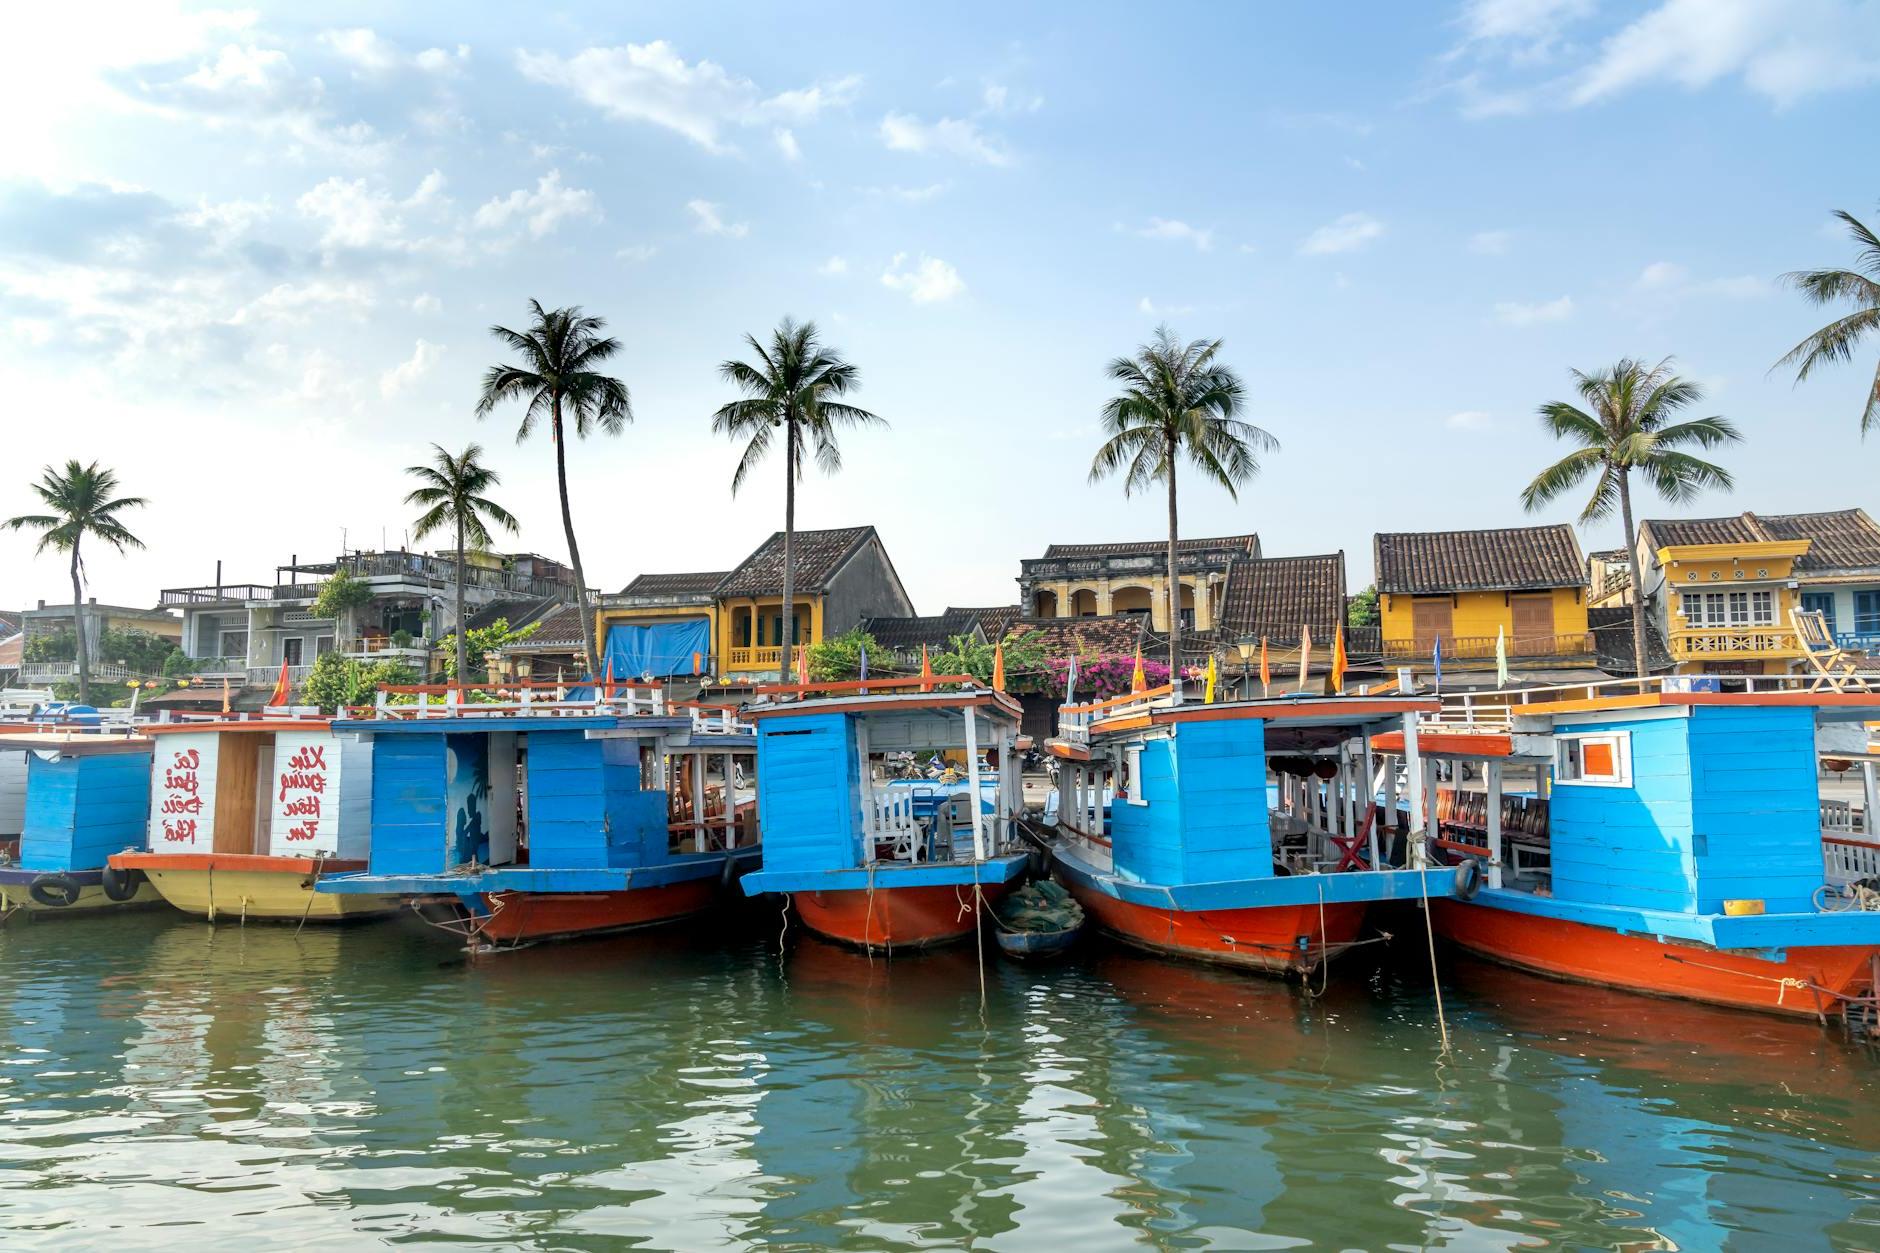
(84, 801)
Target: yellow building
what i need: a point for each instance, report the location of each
(1525, 585)
(1131, 577)
(732, 620)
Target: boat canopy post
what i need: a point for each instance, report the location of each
(1420, 784)
(1871, 787)
(972, 784)
(1493, 773)
(1347, 788)
(870, 816)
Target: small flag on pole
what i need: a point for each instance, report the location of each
(863, 650)
(1138, 682)
(998, 666)
(802, 663)
(1208, 696)
(698, 662)
(1338, 661)
(283, 689)
(1501, 656)
(1436, 661)
(926, 670)
(1266, 670)
(1070, 683)
(225, 693)
(1305, 655)
(608, 687)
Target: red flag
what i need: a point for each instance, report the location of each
(283, 689)
(609, 688)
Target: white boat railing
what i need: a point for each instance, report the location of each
(1075, 721)
(1845, 860)
(535, 700)
(1496, 709)
(890, 820)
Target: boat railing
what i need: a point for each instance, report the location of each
(1845, 859)
(1494, 710)
(520, 699)
(1075, 721)
(865, 687)
(709, 719)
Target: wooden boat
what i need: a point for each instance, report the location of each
(544, 813)
(246, 814)
(1037, 922)
(863, 860)
(1191, 862)
(1683, 853)
(86, 794)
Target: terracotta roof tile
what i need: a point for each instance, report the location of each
(559, 630)
(819, 555)
(1249, 543)
(699, 584)
(908, 634)
(1844, 539)
(1063, 637)
(1265, 594)
(995, 621)
(1429, 563)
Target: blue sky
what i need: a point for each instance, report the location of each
(249, 258)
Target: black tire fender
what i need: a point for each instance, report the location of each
(54, 891)
(1469, 879)
(121, 885)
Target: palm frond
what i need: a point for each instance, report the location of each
(1560, 477)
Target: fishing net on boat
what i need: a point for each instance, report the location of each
(1041, 906)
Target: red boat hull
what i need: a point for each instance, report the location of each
(1583, 954)
(1266, 939)
(895, 918)
(516, 916)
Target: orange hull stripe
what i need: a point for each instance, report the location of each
(1268, 938)
(1571, 950)
(894, 917)
(537, 915)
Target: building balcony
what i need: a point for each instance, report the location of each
(755, 658)
(1862, 641)
(1734, 643)
(266, 676)
(220, 667)
(1568, 646)
(227, 594)
(41, 673)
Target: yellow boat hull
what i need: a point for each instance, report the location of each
(91, 902)
(262, 896)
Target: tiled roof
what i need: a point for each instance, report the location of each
(1430, 563)
(9, 622)
(518, 613)
(12, 651)
(907, 634)
(560, 630)
(1845, 539)
(696, 584)
(1612, 642)
(819, 554)
(1249, 543)
(995, 621)
(1063, 637)
(1285, 593)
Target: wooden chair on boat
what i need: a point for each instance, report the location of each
(1836, 669)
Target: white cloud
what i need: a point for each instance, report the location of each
(708, 220)
(1468, 420)
(701, 100)
(919, 195)
(999, 98)
(300, 303)
(355, 215)
(786, 144)
(1347, 234)
(403, 376)
(1491, 243)
(927, 281)
(1145, 305)
(636, 253)
(1781, 49)
(1660, 275)
(1530, 21)
(545, 208)
(1168, 228)
(833, 267)
(904, 132)
(1515, 313)
(439, 61)
(426, 303)
(1667, 279)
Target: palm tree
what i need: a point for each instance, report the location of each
(83, 502)
(1629, 428)
(452, 494)
(794, 385)
(1837, 340)
(1177, 399)
(557, 377)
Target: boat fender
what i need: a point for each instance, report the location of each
(1469, 879)
(121, 885)
(54, 891)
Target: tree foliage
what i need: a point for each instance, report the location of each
(480, 641)
(838, 658)
(1025, 660)
(1362, 610)
(335, 681)
(1835, 343)
(343, 592)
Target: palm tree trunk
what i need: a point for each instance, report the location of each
(789, 550)
(574, 551)
(1174, 580)
(78, 630)
(1631, 554)
(462, 674)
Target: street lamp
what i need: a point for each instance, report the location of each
(1246, 645)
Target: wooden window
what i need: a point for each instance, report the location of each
(1602, 760)
(1430, 620)
(1533, 623)
(1131, 790)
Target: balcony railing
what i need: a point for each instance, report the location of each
(1865, 641)
(35, 673)
(755, 658)
(228, 592)
(234, 667)
(265, 676)
(1761, 641)
(1482, 647)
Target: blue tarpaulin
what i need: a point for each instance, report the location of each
(661, 650)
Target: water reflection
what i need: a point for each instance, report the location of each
(697, 1090)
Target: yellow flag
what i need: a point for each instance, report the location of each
(1208, 699)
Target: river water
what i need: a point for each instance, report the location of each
(166, 1082)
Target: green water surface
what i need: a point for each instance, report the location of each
(167, 1084)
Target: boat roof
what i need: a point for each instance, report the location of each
(866, 696)
(1330, 712)
(471, 723)
(1838, 706)
(73, 743)
(256, 726)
